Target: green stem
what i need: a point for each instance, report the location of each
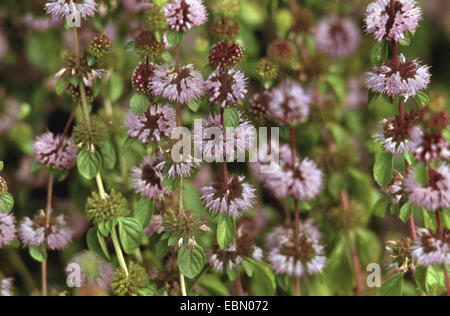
(183, 285)
(119, 253)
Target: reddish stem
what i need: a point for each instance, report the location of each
(447, 281)
(224, 163)
(239, 287)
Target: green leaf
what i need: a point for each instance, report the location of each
(108, 154)
(263, 281)
(38, 253)
(248, 267)
(435, 281)
(115, 87)
(372, 99)
(409, 157)
(139, 104)
(94, 244)
(392, 286)
(231, 117)
(421, 173)
(2, 165)
(191, 262)
(445, 215)
(61, 85)
(130, 233)
(194, 105)
(149, 291)
(214, 284)
(171, 184)
(144, 211)
(226, 230)
(161, 248)
(89, 163)
(6, 202)
(422, 99)
(166, 57)
(406, 41)
(102, 243)
(174, 38)
(430, 220)
(130, 46)
(407, 210)
(379, 53)
(173, 240)
(74, 81)
(338, 86)
(91, 60)
(384, 168)
(381, 206)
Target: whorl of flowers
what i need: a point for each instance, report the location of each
(384, 21)
(6, 287)
(57, 234)
(396, 132)
(148, 179)
(7, 229)
(99, 46)
(129, 285)
(142, 76)
(242, 247)
(231, 198)
(176, 164)
(428, 147)
(185, 226)
(337, 37)
(181, 87)
(100, 210)
(226, 87)
(54, 151)
(157, 122)
(295, 256)
(156, 225)
(302, 179)
(225, 55)
(182, 15)
(94, 271)
(72, 10)
(211, 138)
(289, 103)
(436, 194)
(429, 250)
(405, 79)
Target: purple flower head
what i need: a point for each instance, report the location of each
(303, 179)
(72, 10)
(182, 15)
(211, 137)
(226, 87)
(183, 166)
(222, 259)
(384, 21)
(289, 103)
(406, 79)
(35, 232)
(59, 234)
(148, 179)
(7, 229)
(31, 233)
(6, 287)
(183, 87)
(157, 122)
(53, 151)
(231, 198)
(137, 5)
(428, 147)
(155, 226)
(429, 250)
(337, 37)
(288, 258)
(436, 194)
(94, 271)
